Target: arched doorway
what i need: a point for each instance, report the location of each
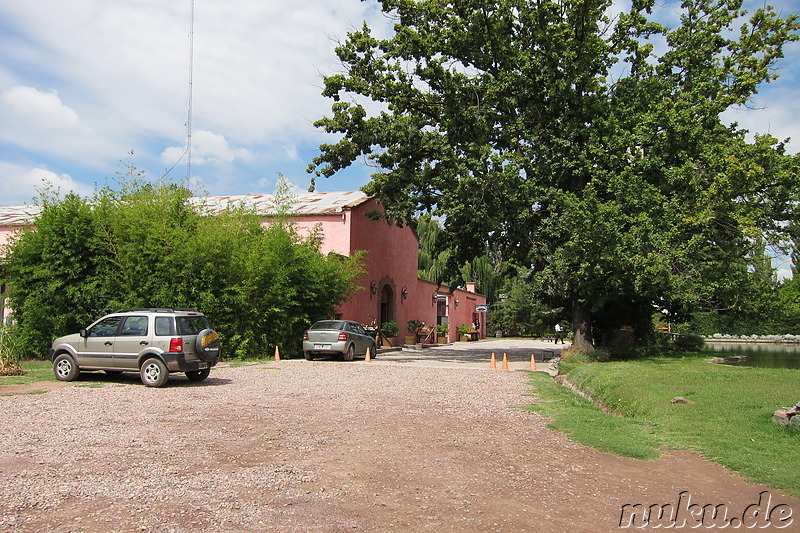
(387, 304)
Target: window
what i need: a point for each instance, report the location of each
(135, 325)
(106, 328)
(191, 325)
(165, 326)
(328, 324)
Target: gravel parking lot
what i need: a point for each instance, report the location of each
(322, 446)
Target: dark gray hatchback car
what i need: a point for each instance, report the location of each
(151, 341)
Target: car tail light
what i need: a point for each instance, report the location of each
(305, 335)
(343, 336)
(176, 344)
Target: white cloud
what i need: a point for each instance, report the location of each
(207, 147)
(39, 121)
(291, 152)
(43, 108)
(19, 184)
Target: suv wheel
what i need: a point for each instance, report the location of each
(154, 373)
(198, 375)
(65, 368)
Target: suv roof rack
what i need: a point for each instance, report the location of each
(156, 309)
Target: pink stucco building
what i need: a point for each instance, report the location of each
(390, 289)
(12, 218)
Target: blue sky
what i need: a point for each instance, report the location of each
(84, 82)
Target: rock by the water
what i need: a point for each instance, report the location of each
(787, 416)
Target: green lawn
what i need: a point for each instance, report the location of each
(728, 421)
(37, 370)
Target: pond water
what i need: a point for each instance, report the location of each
(767, 355)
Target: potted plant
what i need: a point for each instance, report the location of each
(441, 333)
(390, 329)
(463, 332)
(413, 327)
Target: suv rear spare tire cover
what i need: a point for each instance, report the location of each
(207, 345)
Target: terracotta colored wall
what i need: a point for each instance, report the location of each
(335, 230)
(391, 266)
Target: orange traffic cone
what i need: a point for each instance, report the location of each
(493, 362)
(533, 363)
(505, 361)
(277, 354)
(368, 357)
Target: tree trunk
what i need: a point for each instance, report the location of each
(581, 325)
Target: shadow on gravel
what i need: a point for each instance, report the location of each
(132, 378)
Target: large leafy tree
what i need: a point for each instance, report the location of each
(553, 133)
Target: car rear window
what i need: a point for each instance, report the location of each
(328, 324)
(191, 325)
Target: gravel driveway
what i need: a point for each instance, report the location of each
(476, 355)
(322, 446)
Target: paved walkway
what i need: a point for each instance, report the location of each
(475, 355)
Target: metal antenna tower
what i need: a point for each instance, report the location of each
(189, 101)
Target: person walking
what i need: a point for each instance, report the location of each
(559, 333)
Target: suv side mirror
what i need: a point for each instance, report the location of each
(84, 333)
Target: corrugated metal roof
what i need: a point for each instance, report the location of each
(18, 215)
(310, 203)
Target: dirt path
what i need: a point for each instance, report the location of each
(325, 446)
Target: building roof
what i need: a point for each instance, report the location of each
(309, 203)
(18, 215)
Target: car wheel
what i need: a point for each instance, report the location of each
(373, 351)
(154, 373)
(198, 375)
(207, 345)
(350, 354)
(65, 368)
(308, 355)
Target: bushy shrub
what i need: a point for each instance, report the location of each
(689, 341)
(9, 353)
(390, 328)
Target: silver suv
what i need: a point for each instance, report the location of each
(153, 342)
